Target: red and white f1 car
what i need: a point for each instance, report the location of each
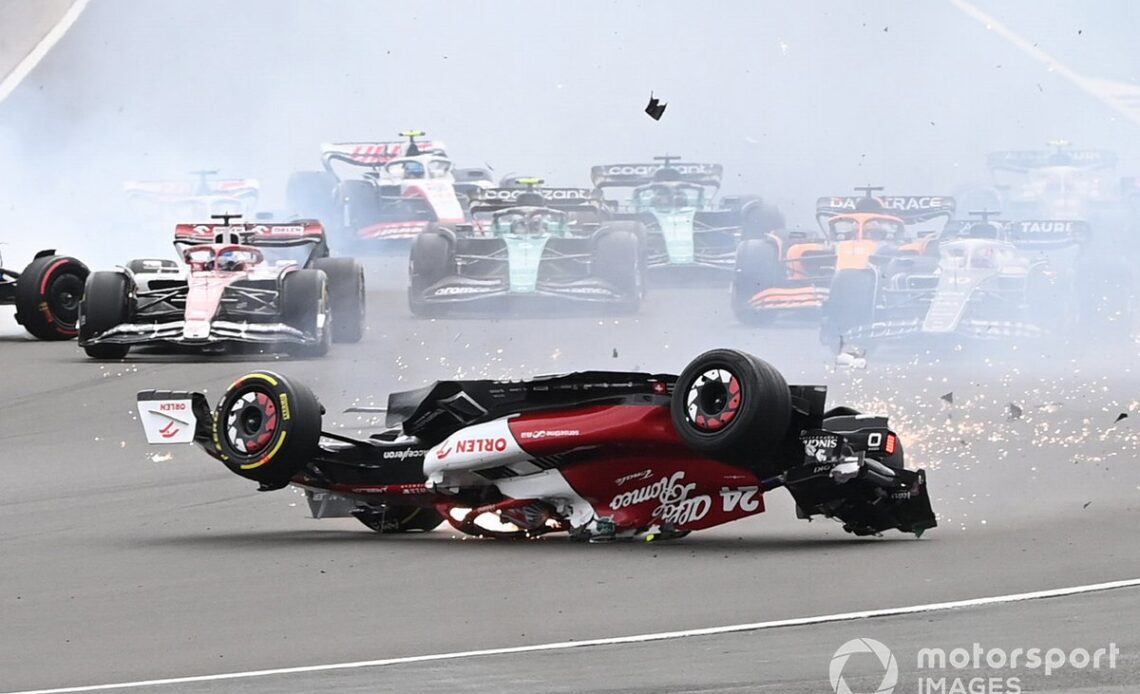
(270, 284)
(601, 455)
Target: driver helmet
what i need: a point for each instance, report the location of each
(662, 199)
(413, 169)
(229, 261)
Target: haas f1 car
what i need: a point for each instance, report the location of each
(790, 272)
(600, 455)
(385, 192)
(687, 227)
(526, 243)
(267, 284)
(46, 295)
(988, 280)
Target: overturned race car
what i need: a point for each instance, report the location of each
(272, 284)
(600, 455)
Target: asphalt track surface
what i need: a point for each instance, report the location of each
(125, 562)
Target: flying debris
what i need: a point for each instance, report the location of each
(655, 109)
(1014, 411)
(1122, 415)
(947, 398)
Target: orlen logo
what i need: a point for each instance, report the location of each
(172, 406)
(489, 444)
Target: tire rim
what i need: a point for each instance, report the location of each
(713, 400)
(251, 422)
(63, 298)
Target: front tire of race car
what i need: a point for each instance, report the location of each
(48, 294)
(346, 294)
(305, 306)
(731, 405)
(618, 261)
(759, 218)
(758, 267)
(267, 428)
(432, 258)
(106, 303)
(850, 304)
(399, 519)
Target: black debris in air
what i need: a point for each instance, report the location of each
(1122, 415)
(655, 109)
(948, 398)
(615, 352)
(1014, 411)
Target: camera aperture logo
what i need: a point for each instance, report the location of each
(856, 647)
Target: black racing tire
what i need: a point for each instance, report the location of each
(759, 218)
(267, 427)
(312, 194)
(731, 405)
(431, 259)
(106, 303)
(48, 293)
(346, 293)
(618, 259)
(758, 267)
(850, 303)
(305, 306)
(400, 519)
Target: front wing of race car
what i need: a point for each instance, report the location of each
(201, 333)
(458, 290)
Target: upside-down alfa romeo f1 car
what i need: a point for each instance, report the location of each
(159, 203)
(526, 243)
(262, 283)
(46, 294)
(686, 227)
(598, 454)
(385, 193)
(795, 271)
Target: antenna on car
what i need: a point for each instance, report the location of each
(984, 215)
(666, 172)
(203, 182)
(226, 218)
(413, 148)
(667, 160)
(869, 203)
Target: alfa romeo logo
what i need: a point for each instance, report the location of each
(854, 647)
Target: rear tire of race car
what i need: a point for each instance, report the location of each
(432, 258)
(731, 405)
(48, 293)
(400, 519)
(312, 194)
(618, 261)
(106, 303)
(267, 427)
(305, 306)
(850, 304)
(758, 267)
(346, 294)
(759, 218)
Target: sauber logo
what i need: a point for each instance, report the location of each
(549, 433)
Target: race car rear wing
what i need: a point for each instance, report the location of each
(503, 198)
(253, 233)
(236, 187)
(1021, 161)
(911, 209)
(374, 154)
(629, 175)
(1047, 233)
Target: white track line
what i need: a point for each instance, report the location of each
(25, 66)
(639, 638)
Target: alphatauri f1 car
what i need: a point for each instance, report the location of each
(601, 455)
(46, 294)
(526, 243)
(262, 283)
